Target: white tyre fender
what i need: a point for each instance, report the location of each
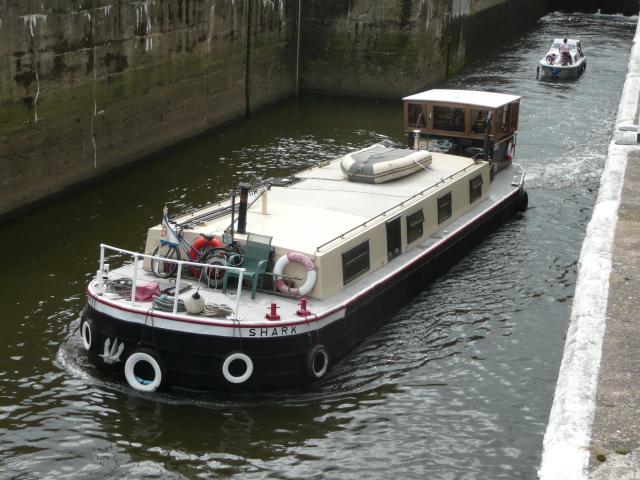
(237, 379)
(308, 265)
(317, 362)
(88, 333)
(144, 355)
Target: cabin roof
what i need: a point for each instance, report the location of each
(325, 204)
(464, 97)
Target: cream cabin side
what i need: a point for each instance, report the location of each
(372, 246)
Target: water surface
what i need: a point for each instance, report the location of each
(457, 385)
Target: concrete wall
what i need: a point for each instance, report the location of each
(90, 85)
(391, 47)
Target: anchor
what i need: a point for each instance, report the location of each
(112, 355)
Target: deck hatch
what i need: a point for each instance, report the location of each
(355, 262)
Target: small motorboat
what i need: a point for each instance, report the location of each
(566, 64)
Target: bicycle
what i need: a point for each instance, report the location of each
(209, 251)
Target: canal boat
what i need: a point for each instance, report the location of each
(563, 65)
(299, 270)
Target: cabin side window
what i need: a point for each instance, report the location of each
(444, 208)
(417, 116)
(355, 262)
(475, 188)
(448, 118)
(415, 226)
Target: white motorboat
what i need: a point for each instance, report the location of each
(568, 64)
(327, 259)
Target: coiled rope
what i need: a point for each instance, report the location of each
(217, 310)
(165, 303)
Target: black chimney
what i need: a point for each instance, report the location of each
(242, 209)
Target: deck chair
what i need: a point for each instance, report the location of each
(256, 258)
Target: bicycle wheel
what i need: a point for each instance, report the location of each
(161, 268)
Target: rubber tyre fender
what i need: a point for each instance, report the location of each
(313, 354)
(88, 333)
(241, 378)
(155, 362)
(523, 200)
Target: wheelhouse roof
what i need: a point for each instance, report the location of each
(473, 98)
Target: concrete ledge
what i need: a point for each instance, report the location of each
(567, 441)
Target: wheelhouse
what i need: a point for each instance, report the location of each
(463, 122)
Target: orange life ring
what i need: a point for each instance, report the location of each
(200, 242)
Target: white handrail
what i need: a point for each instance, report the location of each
(136, 256)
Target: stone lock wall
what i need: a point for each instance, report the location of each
(91, 85)
(394, 47)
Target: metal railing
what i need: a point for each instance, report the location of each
(138, 256)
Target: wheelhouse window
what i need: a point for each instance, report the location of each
(475, 188)
(448, 118)
(417, 116)
(501, 119)
(479, 120)
(514, 111)
(415, 226)
(444, 208)
(355, 262)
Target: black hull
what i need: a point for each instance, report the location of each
(194, 361)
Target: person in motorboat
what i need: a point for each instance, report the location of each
(565, 53)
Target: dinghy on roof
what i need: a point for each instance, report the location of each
(379, 164)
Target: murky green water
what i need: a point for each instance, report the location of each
(459, 383)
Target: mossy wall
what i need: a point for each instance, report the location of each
(91, 85)
(387, 48)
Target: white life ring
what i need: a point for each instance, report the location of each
(240, 378)
(87, 332)
(308, 265)
(317, 362)
(143, 384)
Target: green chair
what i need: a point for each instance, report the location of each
(256, 258)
